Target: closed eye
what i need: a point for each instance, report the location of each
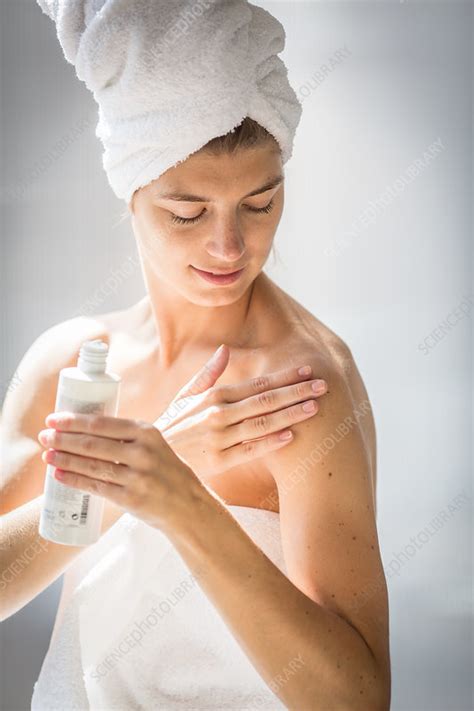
(189, 220)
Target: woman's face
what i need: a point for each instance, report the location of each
(223, 228)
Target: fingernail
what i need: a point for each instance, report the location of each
(318, 386)
(309, 406)
(286, 435)
(219, 351)
(305, 370)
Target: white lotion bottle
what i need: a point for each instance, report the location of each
(68, 515)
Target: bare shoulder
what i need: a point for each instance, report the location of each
(305, 339)
(58, 347)
(327, 499)
(31, 396)
(35, 378)
(297, 333)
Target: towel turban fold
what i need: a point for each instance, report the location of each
(170, 75)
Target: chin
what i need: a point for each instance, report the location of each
(215, 299)
(208, 294)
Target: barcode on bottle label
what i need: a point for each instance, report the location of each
(85, 506)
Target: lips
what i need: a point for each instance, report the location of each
(218, 272)
(219, 278)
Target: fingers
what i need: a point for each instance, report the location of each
(103, 425)
(91, 435)
(117, 494)
(277, 399)
(208, 374)
(246, 451)
(90, 446)
(272, 422)
(287, 376)
(93, 468)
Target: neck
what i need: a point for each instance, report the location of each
(180, 324)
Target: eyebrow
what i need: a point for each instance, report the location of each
(272, 183)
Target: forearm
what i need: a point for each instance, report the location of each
(274, 622)
(28, 562)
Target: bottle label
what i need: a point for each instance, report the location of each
(66, 507)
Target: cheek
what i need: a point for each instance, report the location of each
(265, 233)
(152, 233)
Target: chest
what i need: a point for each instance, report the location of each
(145, 395)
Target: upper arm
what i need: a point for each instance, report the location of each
(327, 517)
(30, 397)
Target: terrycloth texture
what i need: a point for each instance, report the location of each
(138, 632)
(169, 75)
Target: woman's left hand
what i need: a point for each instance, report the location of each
(124, 460)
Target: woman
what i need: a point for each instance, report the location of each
(218, 211)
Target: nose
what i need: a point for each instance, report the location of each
(227, 245)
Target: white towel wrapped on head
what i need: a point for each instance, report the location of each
(170, 75)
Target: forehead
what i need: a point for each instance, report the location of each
(205, 173)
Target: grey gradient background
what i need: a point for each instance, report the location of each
(387, 287)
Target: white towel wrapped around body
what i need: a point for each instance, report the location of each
(170, 75)
(139, 633)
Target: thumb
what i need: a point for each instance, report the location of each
(208, 374)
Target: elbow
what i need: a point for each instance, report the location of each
(378, 699)
(384, 696)
(374, 695)
(377, 696)
(371, 694)
(384, 677)
(379, 702)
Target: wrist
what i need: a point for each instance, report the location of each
(193, 503)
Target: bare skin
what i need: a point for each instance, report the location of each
(159, 343)
(288, 335)
(294, 336)
(167, 336)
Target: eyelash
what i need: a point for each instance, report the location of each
(189, 220)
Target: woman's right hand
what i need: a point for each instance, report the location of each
(213, 428)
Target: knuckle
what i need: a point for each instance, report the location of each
(143, 457)
(94, 466)
(214, 395)
(110, 470)
(261, 382)
(147, 430)
(99, 487)
(295, 412)
(216, 413)
(248, 448)
(301, 390)
(266, 399)
(223, 393)
(96, 422)
(65, 460)
(260, 423)
(67, 419)
(87, 443)
(141, 486)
